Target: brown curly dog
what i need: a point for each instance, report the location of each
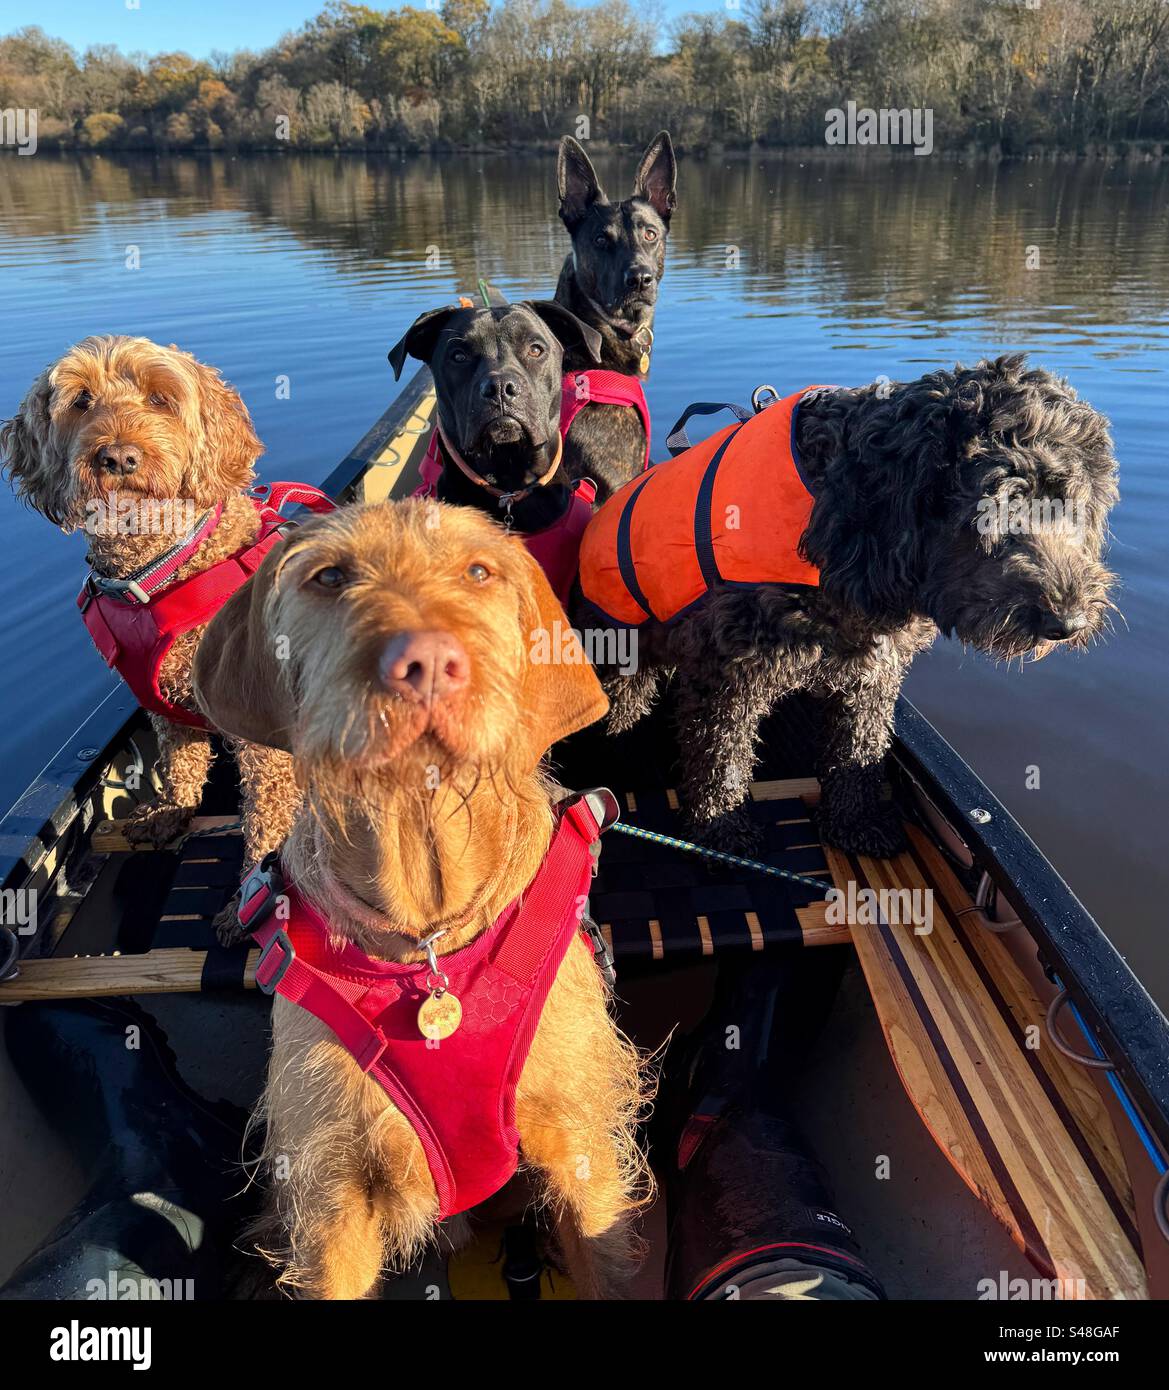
(127, 420)
(418, 719)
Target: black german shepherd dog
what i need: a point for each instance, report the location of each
(610, 282)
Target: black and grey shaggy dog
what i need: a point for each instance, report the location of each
(973, 502)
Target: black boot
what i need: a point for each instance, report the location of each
(165, 1204)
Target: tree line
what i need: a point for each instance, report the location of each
(1011, 75)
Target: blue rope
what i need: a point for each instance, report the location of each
(1120, 1090)
(754, 864)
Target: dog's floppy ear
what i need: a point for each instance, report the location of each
(657, 176)
(560, 692)
(26, 450)
(239, 681)
(419, 339)
(230, 445)
(577, 182)
(570, 331)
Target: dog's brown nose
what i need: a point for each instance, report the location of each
(424, 666)
(1058, 627)
(118, 459)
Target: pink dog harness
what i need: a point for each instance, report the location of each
(599, 386)
(459, 1092)
(557, 547)
(134, 621)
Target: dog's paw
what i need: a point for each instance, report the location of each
(732, 833)
(876, 831)
(227, 927)
(157, 823)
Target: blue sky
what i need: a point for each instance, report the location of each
(197, 26)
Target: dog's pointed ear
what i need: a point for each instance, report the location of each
(577, 182)
(26, 453)
(420, 338)
(560, 690)
(240, 682)
(657, 176)
(570, 332)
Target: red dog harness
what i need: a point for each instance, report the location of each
(557, 547)
(602, 387)
(459, 1092)
(134, 621)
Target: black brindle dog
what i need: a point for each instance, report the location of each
(497, 377)
(610, 281)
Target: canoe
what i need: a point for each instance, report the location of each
(987, 1092)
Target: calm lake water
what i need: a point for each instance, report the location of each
(778, 272)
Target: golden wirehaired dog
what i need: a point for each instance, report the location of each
(125, 420)
(425, 803)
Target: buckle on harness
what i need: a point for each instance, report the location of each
(280, 941)
(113, 588)
(602, 954)
(258, 892)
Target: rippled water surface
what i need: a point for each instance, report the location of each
(778, 272)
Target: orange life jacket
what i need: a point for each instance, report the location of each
(730, 510)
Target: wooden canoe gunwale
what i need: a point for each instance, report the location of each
(1129, 1026)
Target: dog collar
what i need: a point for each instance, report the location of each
(506, 500)
(639, 335)
(144, 583)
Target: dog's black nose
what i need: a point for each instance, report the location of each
(119, 459)
(424, 666)
(499, 387)
(638, 277)
(1058, 627)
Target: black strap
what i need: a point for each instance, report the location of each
(224, 968)
(703, 534)
(677, 440)
(625, 563)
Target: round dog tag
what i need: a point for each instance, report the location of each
(439, 1015)
(643, 365)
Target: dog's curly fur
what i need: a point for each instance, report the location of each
(193, 441)
(899, 475)
(387, 850)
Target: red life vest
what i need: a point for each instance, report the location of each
(134, 621)
(458, 1094)
(557, 547)
(730, 510)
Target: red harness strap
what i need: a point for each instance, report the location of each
(134, 621)
(599, 386)
(458, 1094)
